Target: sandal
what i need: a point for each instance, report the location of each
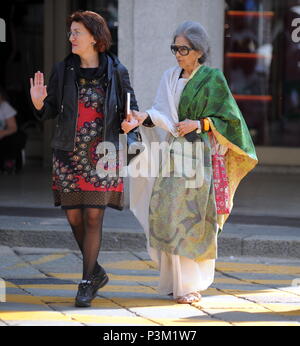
(190, 298)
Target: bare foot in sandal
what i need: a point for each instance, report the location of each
(189, 298)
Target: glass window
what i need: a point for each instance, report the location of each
(262, 67)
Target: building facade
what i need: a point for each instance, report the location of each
(255, 42)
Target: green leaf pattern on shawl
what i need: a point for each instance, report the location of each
(207, 95)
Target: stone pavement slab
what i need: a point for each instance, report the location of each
(12, 266)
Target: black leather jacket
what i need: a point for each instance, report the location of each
(62, 102)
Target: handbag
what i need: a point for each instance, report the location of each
(134, 139)
(135, 144)
(220, 179)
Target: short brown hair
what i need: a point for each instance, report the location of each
(96, 25)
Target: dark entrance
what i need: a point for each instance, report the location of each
(262, 66)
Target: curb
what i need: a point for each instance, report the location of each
(111, 239)
(278, 246)
(229, 244)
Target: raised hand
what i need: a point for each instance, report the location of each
(38, 91)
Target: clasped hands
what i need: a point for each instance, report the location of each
(136, 118)
(133, 120)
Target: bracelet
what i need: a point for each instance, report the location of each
(205, 125)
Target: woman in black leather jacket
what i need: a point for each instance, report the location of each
(86, 95)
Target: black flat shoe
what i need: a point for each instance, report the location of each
(85, 295)
(99, 279)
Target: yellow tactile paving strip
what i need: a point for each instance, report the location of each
(257, 268)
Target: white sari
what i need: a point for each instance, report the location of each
(178, 275)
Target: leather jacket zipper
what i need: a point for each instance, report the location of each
(105, 110)
(75, 132)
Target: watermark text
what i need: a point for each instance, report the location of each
(178, 159)
(2, 30)
(296, 32)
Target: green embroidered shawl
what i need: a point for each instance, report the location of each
(207, 95)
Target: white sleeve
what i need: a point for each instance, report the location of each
(161, 111)
(7, 110)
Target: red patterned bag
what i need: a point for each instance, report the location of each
(221, 185)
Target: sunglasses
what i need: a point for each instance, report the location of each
(182, 50)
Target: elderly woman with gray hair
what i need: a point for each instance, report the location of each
(193, 108)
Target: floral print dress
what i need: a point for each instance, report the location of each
(75, 180)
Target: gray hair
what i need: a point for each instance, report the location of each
(197, 37)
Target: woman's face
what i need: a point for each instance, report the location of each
(190, 61)
(81, 39)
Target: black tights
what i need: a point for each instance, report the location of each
(86, 225)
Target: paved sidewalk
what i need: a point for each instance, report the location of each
(40, 286)
(265, 220)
